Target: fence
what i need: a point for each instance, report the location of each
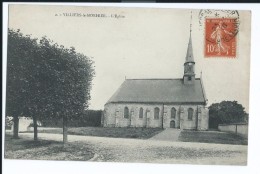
(237, 128)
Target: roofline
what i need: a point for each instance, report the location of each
(161, 79)
(177, 103)
(115, 92)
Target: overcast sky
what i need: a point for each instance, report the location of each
(145, 43)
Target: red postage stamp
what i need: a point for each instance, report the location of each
(220, 37)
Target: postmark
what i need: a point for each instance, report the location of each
(220, 33)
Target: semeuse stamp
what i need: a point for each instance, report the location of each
(220, 33)
(220, 38)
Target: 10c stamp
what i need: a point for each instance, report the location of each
(220, 33)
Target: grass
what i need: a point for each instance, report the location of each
(45, 150)
(139, 133)
(212, 137)
(146, 133)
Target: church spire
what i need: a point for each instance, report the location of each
(189, 75)
(190, 22)
(189, 55)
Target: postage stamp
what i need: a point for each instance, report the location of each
(220, 32)
(220, 37)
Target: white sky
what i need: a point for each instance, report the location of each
(147, 43)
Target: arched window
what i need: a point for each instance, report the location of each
(173, 113)
(141, 112)
(190, 113)
(156, 113)
(126, 112)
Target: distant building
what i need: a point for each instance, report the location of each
(24, 123)
(166, 103)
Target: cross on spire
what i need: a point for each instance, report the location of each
(189, 55)
(190, 21)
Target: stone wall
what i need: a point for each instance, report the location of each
(114, 116)
(241, 129)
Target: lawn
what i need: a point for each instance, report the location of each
(139, 133)
(45, 150)
(212, 137)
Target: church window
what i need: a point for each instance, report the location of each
(141, 113)
(156, 113)
(173, 113)
(126, 112)
(189, 78)
(190, 113)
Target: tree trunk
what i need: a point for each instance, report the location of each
(65, 129)
(35, 131)
(16, 126)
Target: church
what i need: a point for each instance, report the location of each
(160, 103)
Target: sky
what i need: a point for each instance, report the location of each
(140, 43)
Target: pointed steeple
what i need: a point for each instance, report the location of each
(189, 65)
(189, 55)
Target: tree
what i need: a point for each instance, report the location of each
(49, 80)
(24, 91)
(19, 53)
(67, 81)
(226, 112)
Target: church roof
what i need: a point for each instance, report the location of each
(189, 55)
(159, 91)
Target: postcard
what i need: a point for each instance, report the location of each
(128, 85)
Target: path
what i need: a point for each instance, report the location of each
(138, 150)
(169, 134)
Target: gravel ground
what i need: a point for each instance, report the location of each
(27, 149)
(153, 151)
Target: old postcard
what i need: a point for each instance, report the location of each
(138, 85)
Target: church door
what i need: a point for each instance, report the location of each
(172, 124)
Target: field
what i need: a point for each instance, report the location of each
(139, 133)
(146, 133)
(212, 137)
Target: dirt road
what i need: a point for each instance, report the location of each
(154, 151)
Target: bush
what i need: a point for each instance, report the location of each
(226, 112)
(88, 118)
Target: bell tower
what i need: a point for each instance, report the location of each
(189, 65)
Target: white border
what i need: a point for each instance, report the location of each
(44, 167)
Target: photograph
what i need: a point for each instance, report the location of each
(127, 84)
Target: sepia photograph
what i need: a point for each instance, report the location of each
(127, 85)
